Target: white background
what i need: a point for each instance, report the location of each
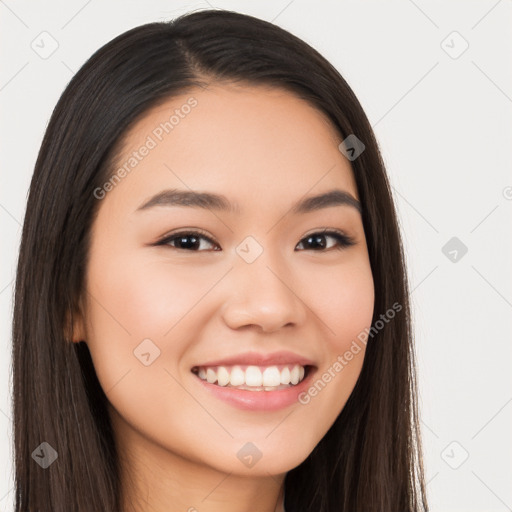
(444, 127)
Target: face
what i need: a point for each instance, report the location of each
(173, 285)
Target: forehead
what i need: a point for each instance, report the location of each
(246, 142)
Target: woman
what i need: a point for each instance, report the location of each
(211, 307)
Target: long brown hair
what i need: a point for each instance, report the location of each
(370, 459)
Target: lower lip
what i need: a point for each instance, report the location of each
(259, 400)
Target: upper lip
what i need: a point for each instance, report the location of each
(257, 359)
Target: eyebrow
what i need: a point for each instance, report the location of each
(218, 202)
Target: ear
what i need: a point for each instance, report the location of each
(75, 325)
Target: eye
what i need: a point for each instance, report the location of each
(191, 241)
(187, 240)
(317, 240)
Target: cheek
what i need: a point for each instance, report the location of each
(344, 301)
(131, 300)
(141, 299)
(136, 333)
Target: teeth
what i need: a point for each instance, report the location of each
(294, 375)
(271, 376)
(222, 376)
(237, 377)
(268, 378)
(211, 375)
(285, 375)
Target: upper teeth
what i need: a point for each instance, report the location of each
(252, 376)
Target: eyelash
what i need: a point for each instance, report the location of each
(342, 239)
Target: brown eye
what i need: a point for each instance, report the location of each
(317, 240)
(187, 240)
(192, 241)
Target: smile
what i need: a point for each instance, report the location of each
(253, 378)
(256, 388)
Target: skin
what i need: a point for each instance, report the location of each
(264, 148)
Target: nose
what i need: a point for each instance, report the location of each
(263, 294)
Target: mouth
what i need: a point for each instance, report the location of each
(254, 378)
(256, 389)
